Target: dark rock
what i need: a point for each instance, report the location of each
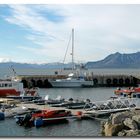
(132, 132)
(112, 130)
(120, 124)
(103, 128)
(136, 118)
(121, 133)
(130, 123)
(120, 117)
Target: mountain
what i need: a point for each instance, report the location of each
(117, 60)
(56, 65)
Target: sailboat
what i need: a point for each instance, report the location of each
(72, 80)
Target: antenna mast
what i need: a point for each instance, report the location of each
(14, 72)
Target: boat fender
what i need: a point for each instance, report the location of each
(79, 113)
(2, 116)
(38, 122)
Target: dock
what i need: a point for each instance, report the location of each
(100, 113)
(43, 81)
(24, 108)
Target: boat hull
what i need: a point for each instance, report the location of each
(42, 118)
(25, 98)
(73, 84)
(7, 92)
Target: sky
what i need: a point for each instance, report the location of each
(39, 33)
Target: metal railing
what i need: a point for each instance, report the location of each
(114, 104)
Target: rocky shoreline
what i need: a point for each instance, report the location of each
(122, 124)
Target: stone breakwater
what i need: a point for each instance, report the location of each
(122, 124)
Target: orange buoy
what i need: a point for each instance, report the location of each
(79, 113)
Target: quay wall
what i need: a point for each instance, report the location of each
(44, 81)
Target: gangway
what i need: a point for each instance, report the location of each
(113, 105)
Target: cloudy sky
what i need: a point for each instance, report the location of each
(40, 33)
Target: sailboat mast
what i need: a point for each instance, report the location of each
(72, 49)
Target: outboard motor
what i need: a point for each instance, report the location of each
(2, 116)
(26, 120)
(71, 100)
(87, 100)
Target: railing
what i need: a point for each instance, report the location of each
(115, 104)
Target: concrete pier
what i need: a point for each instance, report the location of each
(43, 81)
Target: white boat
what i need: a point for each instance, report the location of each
(8, 113)
(72, 80)
(10, 87)
(13, 87)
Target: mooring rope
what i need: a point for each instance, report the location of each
(96, 118)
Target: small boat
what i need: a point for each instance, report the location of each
(14, 87)
(74, 104)
(79, 106)
(39, 101)
(43, 118)
(11, 112)
(50, 101)
(28, 95)
(25, 98)
(128, 91)
(133, 92)
(10, 87)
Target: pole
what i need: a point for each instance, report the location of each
(72, 49)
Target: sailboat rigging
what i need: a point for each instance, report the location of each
(72, 81)
(72, 52)
(72, 49)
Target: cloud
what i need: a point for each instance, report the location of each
(99, 29)
(27, 18)
(5, 59)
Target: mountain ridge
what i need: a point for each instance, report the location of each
(115, 60)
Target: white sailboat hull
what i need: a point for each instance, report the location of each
(71, 83)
